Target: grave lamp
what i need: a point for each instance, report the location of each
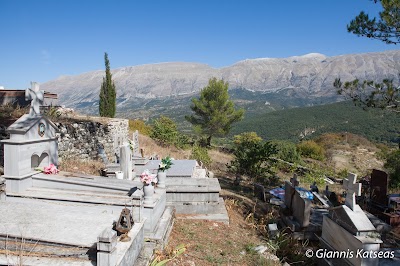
(125, 222)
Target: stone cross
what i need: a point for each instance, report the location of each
(352, 188)
(36, 97)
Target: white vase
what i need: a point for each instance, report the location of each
(119, 174)
(161, 178)
(148, 191)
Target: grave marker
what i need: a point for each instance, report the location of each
(37, 96)
(126, 161)
(352, 188)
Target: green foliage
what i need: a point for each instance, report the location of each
(310, 149)
(214, 112)
(339, 117)
(371, 94)
(393, 166)
(165, 164)
(386, 28)
(107, 102)
(384, 95)
(164, 131)
(287, 151)
(252, 156)
(200, 154)
(140, 126)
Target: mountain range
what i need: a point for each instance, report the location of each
(256, 84)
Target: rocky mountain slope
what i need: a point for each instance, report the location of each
(302, 77)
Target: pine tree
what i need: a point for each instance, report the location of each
(368, 93)
(214, 113)
(107, 102)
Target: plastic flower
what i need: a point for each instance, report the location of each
(148, 178)
(51, 169)
(165, 164)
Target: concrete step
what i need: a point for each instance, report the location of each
(94, 197)
(158, 239)
(218, 213)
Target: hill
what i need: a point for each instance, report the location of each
(147, 89)
(297, 123)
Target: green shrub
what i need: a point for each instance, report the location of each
(310, 149)
(140, 126)
(286, 151)
(201, 155)
(393, 166)
(164, 131)
(252, 156)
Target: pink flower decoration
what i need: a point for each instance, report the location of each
(148, 178)
(51, 169)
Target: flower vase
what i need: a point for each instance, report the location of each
(148, 191)
(161, 178)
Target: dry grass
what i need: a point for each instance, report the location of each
(151, 148)
(88, 167)
(212, 243)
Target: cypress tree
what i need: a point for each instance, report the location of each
(107, 102)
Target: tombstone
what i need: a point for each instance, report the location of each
(36, 96)
(352, 188)
(379, 186)
(126, 161)
(136, 148)
(259, 192)
(298, 206)
(348, 228)
(294, 181)
(32, 144)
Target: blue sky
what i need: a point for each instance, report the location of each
(42, 40)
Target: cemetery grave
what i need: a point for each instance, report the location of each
(341, 228)
(69, 218)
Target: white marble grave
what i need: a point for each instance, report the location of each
(32, 144)
(348, 228)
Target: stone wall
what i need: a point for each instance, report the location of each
(82, 138)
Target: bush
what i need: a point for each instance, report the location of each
(140, 126)
(287, 151)
(252, 156)
(164, 131)
(201, 155)
(311, 149)
(393, 166)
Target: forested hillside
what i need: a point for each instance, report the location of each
(293, 124)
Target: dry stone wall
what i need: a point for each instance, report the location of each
(81, 139)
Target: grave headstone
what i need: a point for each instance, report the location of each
(352, 188)
(348, 228)
(136, 148)
(32, 144)
(36, 96)
(379, 186)
(300, 207)
(259, 192)
(126, 161)
(294, 181)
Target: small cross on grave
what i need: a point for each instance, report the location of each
(352, 188)
(294, 181)
(36, 96)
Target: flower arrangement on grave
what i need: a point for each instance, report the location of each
(147, 178)
(165, 164)
(49, 170)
